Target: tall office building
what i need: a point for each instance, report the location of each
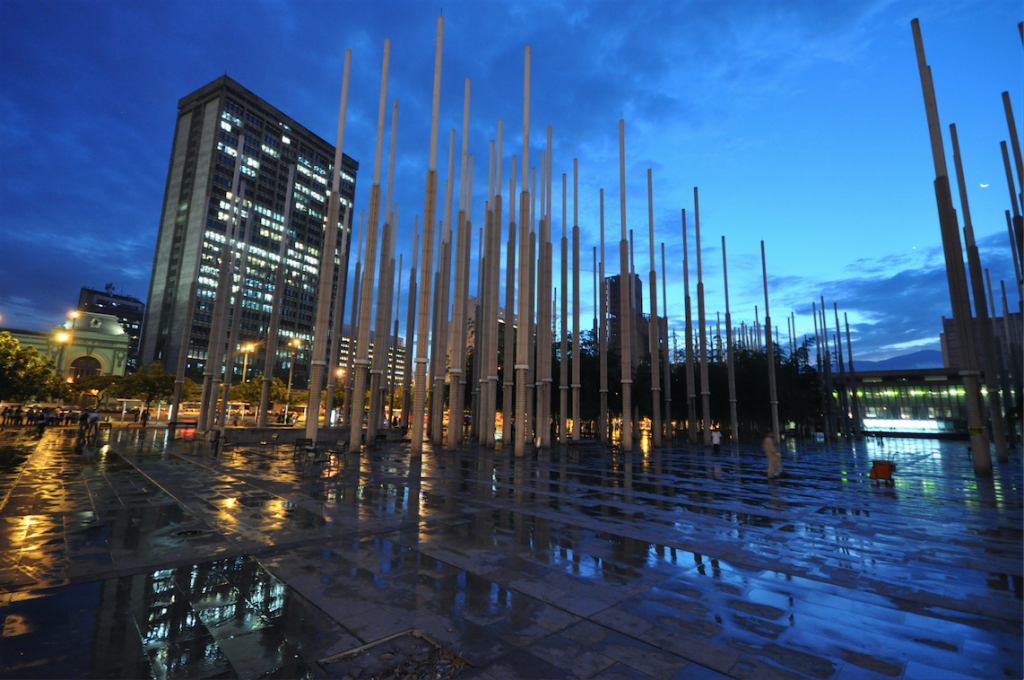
(641, 322)
(221, 127)
(614, 287)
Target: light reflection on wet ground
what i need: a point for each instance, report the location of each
(149, 559)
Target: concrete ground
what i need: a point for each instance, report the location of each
(149, 558)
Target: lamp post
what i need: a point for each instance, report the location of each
(341, 381)
(247, 350)
(294, 345)
(70, 339)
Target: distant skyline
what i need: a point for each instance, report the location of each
(802, 123)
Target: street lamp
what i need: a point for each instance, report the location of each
(294, 345)
(341, 381)
(68, 338)
(247, 350)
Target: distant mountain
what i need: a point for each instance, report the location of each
(926, 358)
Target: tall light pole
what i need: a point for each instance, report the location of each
(70, 337)
(246, 350)
(341, 380)
(294, 345)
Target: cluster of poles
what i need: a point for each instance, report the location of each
(438, 307)
(978, 355)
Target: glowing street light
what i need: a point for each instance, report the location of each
(294, 345)
(69, 339)
(247, 350)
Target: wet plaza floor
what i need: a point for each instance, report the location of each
(150, 558)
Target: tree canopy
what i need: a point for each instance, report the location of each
(26, 374)
(95, 385)
(150, 383)
(251, 392)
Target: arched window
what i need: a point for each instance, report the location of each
(83, 366)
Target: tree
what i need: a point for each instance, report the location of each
(148, 384)
(190, 390)
(25, 373)
(95, 385)
(248, 392)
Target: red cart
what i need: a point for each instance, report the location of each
(882, 470)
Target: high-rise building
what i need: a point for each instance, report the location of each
(641, 322)
(222, 127)
(129, 311)
(613, 287)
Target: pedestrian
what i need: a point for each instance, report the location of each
(135, 413)
(716, 439)
(773, 455)
(94, 423)
(83, 423)
(145, 418)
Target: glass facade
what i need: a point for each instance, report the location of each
(232, 160)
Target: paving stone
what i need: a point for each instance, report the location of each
(643, 657)
(592, 556)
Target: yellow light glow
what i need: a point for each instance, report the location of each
(63, 337)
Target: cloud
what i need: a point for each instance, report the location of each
(90, 93)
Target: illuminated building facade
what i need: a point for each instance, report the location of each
(220, 127)
(922, 402)
(396, 352)
(91, 344)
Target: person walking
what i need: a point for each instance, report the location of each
(716, 439)
(94, 423)
(773, 455)
(145, 418)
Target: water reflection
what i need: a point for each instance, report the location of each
(166, 623)
(682, 539)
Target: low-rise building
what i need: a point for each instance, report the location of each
(86, 344)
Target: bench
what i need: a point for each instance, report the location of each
(340, 446)
(301, 446)
(272, 441)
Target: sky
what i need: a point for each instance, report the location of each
(802, 124)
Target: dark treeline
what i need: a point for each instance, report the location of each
(796, 378)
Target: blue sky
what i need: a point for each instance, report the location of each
(801, 122)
